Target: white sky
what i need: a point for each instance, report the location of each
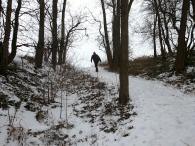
(87, 46)
(83, 50)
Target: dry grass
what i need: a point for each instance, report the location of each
(150, 66)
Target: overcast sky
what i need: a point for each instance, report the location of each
(81, 54)
(87, 46)
(83, 50)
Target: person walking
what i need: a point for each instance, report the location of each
(96, 59)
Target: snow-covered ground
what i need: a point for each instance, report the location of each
(166, 116)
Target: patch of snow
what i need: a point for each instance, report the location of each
(190, 70)
(165, 115)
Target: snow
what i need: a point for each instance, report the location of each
(190, 69)
(165, 115)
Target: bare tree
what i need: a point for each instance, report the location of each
(156, 5)
(124, 81)
(108, 49)
(54, 33)
(7, 29)
(62, 40)
(182, 46)
(15, 33)
(116, 31)
(165, 30)
(72, 34)
(40, 45)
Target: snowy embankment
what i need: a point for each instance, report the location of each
(66, 107)
(72, 108)
(166, 116)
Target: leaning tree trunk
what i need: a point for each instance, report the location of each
(166, 32)
(124, 81)
(15, 33)
(108, 50)
(5, 47)
(154, 36)
(159, 29)
(163, 37)
(129, 5)
(167, 38)
(40, 45)
(160, 38)
(182, 46)
(54, 34)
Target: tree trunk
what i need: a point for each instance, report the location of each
(54, 34)
(160, 39)
(129, 5)
(40, 45)
(182, 46)
(167, 37)
(62, 41)
(159, 29)
(191, 44)
(166, 33)
(114, 27)
(65, 47)
(1, 8)
(1, 44)
(193, 6)
(15, 33)
(108, 50)
(124, 81)
(5, 48)
(165, 41)
(117, 34)
(154, 36)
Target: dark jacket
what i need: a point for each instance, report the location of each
(95, 58)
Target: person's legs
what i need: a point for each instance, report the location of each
(96, 67)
